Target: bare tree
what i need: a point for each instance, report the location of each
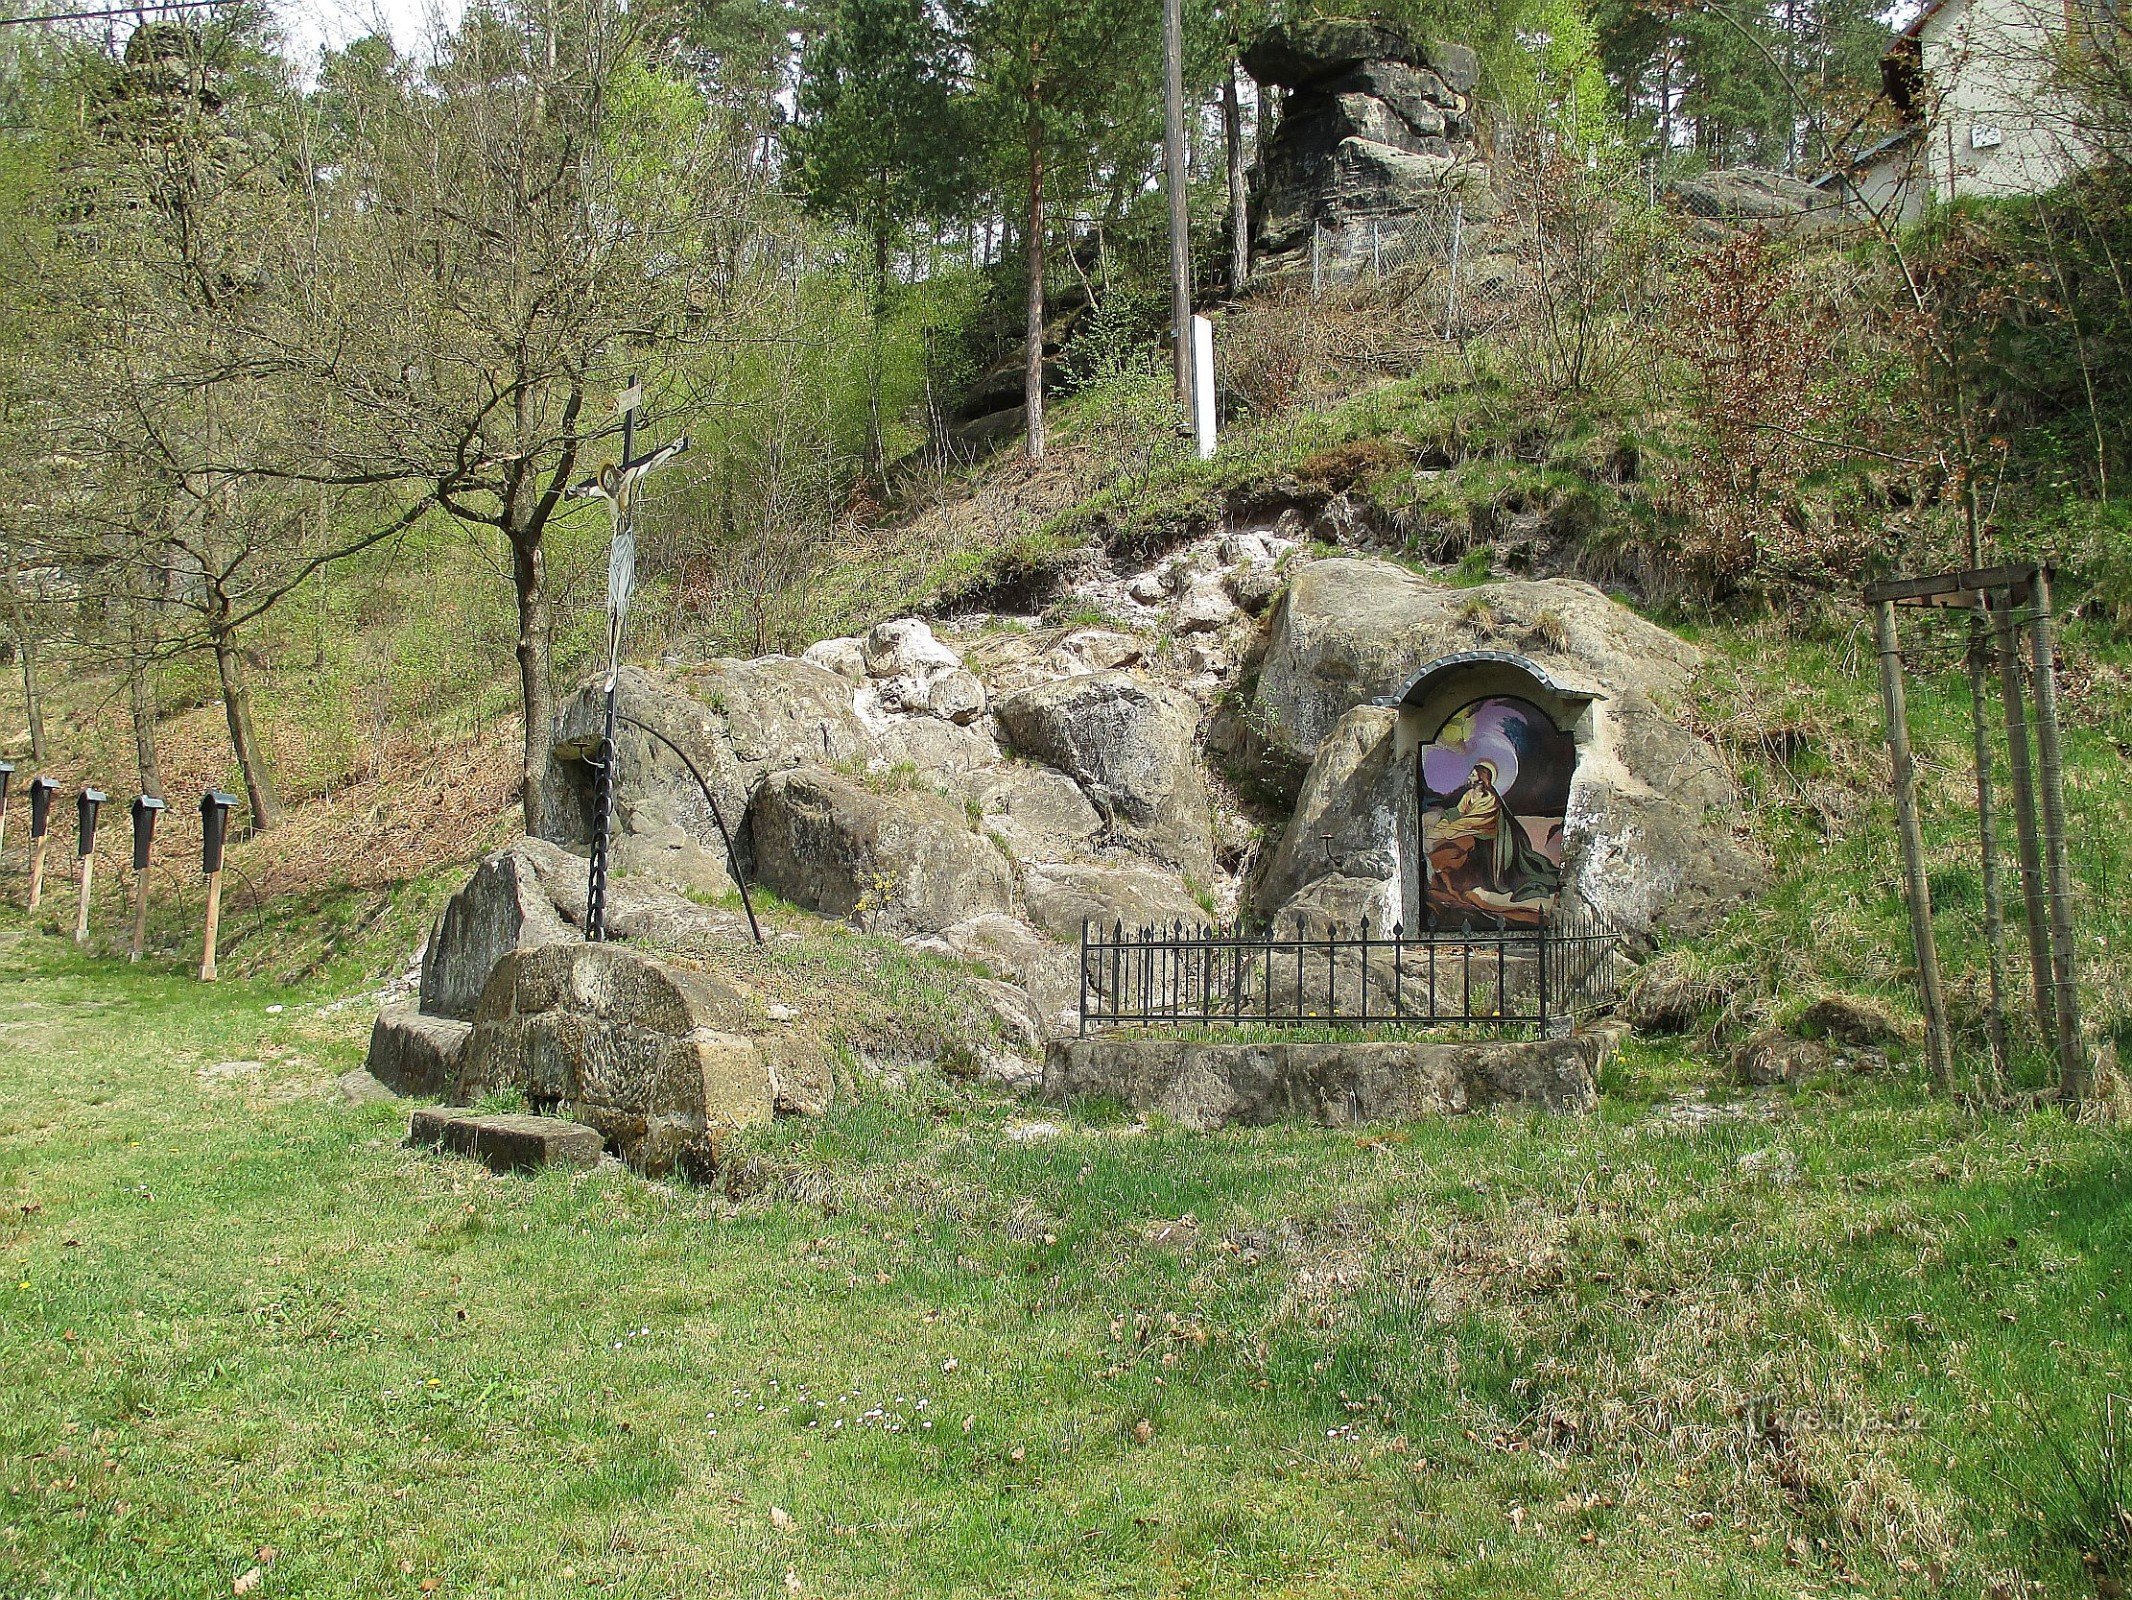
(492, 241)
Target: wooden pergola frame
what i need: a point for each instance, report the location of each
(2002, 603)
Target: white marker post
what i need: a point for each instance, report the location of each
(1203, 386)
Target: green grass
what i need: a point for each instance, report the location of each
(1767, 1349)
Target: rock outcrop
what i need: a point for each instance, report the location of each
(1719, 204)
(898, 862)
(1131, 746)
(1375, 129)
(983, 789)
(1651, 834)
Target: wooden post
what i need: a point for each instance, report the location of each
(145, 810)
(214, 926)
(215, 808)
(41, 791)
(2013, 693)
(2075, 1080)
(1917, 892)
(1988, 846)
(88, 806)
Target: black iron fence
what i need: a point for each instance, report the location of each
(1502, 978)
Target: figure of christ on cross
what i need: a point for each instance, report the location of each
(617, 484)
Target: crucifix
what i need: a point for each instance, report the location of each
(617, 485)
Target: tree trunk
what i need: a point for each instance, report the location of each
(1179, 200)
(259, 791)
(524, 529)
(536, 695)
(32, 698)
(1033, 250)
(141, 700)
(875, 449)
(1232, 125)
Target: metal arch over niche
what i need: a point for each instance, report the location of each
(1450, 683)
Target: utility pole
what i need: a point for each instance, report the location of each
(617, 485)
(1180, 211)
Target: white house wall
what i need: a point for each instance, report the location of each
(1999, 127)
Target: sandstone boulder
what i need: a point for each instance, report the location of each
(1130, 744)
(1653, 836)
(1346, 824)
(1350, 629)
(957, 696)
(622, 1042)
(733, 720)
(1720, 204)
(900, 862)
(505, 906)
(1774, 1057)
(906, 648)
(1853, 1019)
(1011, 950)
(844, 657)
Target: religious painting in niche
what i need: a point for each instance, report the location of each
(1494, 791)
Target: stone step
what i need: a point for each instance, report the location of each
(505, 1143)
(413, 1053)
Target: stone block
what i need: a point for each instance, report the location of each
(505, 1143)
(625, 1043)
(412, 1053)
(1205, 1085)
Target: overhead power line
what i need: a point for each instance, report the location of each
(141, 11)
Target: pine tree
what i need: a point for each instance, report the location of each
(880, 141)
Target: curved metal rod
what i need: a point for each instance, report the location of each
(731, 855)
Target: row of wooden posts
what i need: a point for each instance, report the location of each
(215, 808)
(2001, 604)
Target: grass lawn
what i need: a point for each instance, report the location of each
(939, 1343)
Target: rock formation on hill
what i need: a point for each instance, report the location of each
(1375, 130)
(982, 787)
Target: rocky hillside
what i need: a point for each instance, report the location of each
(1223, 747)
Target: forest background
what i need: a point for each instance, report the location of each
(298, 360)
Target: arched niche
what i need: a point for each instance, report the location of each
(1490, 742)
